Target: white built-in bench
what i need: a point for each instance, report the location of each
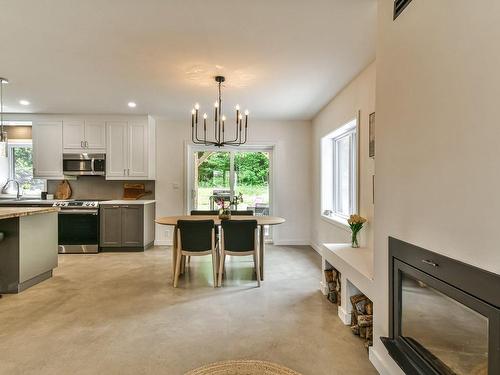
(356, 268)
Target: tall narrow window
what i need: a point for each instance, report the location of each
(339, 172)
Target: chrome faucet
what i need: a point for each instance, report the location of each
(5, 190)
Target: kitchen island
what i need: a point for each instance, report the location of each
(28, 246)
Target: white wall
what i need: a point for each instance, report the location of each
(359, 95)
(292, 177)
(438, 136)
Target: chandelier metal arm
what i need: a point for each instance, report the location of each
(219, 124)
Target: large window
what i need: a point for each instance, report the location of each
(21, 168)
(339, 171)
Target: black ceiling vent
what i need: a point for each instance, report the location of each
(399, 6)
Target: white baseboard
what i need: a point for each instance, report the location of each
(382, 364)
(344, 316)
(291, 242)
(163, 243)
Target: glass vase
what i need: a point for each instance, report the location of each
(224, 214)
(354, 240)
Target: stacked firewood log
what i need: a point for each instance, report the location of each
(332, 277)
(362, 318)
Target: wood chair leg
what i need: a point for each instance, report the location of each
(257, 266)
(221, 266)
(177, 268)
(214, 268)
(254, 262)
(183, 264)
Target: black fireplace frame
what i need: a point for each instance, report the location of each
(475, 288)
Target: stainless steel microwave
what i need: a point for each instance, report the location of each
(84, 164)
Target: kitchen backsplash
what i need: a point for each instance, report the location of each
(96, 187)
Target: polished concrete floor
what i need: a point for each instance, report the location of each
(117, 313)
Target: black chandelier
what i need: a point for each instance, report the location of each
(240, 135)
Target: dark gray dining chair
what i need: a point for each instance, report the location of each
(239, 238)
(242, 213)
(195, 238)
(204, 212)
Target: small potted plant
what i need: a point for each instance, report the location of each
(224, 210)
(356, 223)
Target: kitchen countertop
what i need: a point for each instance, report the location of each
(10, 212)
(40, 202)
(29, 202)
(129, 201)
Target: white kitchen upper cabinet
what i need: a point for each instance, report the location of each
(138, 150)
(117, 149)
(95, 135)
(73, 134)
(84, 135)
(48, 149)
(130, 150)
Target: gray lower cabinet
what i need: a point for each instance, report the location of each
(111, 226)
(126, 226)
(132, 225)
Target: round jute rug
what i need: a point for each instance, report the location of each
(242, 367)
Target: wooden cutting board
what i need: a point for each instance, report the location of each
(63, 190)
(134, 191)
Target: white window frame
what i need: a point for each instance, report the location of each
(330, 199)
(28, 143)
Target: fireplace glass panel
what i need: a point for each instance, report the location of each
(445, 332)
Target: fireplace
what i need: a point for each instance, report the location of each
(444, 315)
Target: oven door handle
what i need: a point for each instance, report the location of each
(92, 165)
(79, 212)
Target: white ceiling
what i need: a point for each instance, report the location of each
(283, 59)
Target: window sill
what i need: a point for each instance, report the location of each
(337, 221)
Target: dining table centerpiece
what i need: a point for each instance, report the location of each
(224, 209)
(356, 223)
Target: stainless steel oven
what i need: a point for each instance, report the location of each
(78, 227)
(84, 164)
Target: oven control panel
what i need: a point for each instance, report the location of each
(76, 204)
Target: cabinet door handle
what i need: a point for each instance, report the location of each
(115, 206)
(430, 263)
(86, 144)
(128, 171)
(81, 144)
(124, 172)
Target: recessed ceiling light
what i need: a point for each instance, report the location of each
(24, 102)
(132, 104)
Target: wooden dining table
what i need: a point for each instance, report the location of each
(262, 221)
